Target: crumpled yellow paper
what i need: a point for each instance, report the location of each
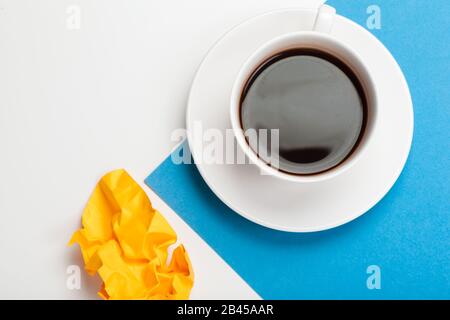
(125, 240)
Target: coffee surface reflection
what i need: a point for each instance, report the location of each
(314, 100)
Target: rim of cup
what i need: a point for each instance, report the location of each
(308, 40)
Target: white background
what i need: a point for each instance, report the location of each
(76, 103)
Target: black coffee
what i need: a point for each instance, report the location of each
(316, 102)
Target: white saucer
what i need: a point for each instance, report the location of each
(290, 206)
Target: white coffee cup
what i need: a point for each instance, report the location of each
(320, 39)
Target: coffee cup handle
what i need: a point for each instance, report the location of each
(324, 19)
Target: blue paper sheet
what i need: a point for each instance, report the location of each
(407, 235)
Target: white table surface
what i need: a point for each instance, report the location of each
(76, 103)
